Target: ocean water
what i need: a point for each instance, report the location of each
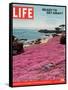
(28, 34)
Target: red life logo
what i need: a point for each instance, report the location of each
(23, 12)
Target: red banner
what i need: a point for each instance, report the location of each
(39, 82)
(23, 12)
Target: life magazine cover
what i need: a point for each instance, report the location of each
(37, 44)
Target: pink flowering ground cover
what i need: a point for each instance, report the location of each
(32, 64)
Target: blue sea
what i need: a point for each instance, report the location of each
(28, 34)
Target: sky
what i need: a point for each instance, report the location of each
(41, 20)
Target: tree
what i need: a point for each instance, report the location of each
(57, 29)
(62, 27)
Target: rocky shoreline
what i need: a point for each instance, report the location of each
(37, 41)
